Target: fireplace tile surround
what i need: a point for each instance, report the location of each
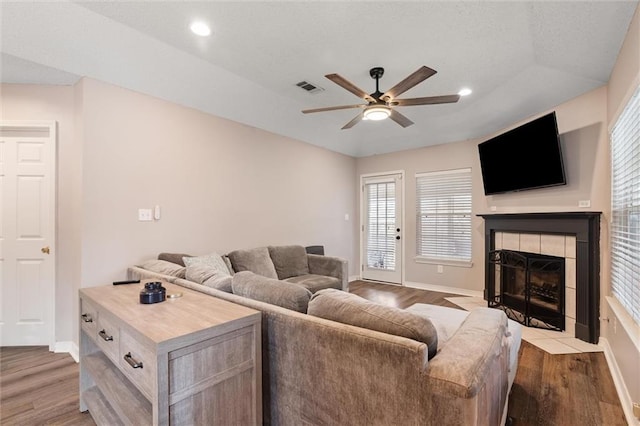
(572, 235)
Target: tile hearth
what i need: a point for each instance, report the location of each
(553, 342)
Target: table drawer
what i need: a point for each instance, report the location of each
(107, 335)
(88, 317)
(137, 362)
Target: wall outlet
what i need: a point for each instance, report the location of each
(636, 410)
(346, 216)
(584, 203)
(493, 208)
(440, 269)
(145, 215)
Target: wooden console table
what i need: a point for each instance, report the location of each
(189, 360)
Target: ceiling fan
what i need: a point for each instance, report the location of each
(381, 105)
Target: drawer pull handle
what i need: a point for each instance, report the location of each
(104, 336)
(132, 362)
(87, 318)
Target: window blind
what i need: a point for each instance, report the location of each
(381, 224)
(443, 215)
(625, 207)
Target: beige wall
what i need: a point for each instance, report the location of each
(221, 185)
(625, 79)
(582, 126)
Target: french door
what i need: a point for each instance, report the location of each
(382, 228)
(27, 233)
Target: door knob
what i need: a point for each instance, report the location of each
(45, 250)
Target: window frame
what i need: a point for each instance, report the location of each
(624, 239)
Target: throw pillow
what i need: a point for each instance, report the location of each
(269, 290)
(289, 261)
(173, 257)
(351, 309)
(164, 267)
(256, 260)
(213, 260)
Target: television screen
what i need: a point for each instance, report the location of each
(526, 157)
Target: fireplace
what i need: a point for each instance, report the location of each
(581, 233)
(529, 287)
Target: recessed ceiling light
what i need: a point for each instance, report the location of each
(465, 91)
(200, 28)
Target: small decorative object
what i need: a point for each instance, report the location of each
(153, 292)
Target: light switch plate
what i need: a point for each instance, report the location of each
(145, 215)
(584, 203)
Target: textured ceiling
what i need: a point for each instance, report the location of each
(520, 59)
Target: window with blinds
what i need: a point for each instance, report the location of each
(625, 207)
(381, 225)
(443, 215)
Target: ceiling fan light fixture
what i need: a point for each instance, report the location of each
(376, 113)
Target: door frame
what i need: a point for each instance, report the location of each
(401, 219)
(52, 127)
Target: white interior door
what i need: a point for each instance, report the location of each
(27, 233)
(382, 228)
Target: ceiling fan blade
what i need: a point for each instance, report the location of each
(346, 84)
(430, 100)
(333, 108)
(400, 119)
(353, 122)
(418, 76)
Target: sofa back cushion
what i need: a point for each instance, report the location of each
(269, 290)
(256, 260)
(209, 270)
(351, 309)
(173, 257)
(164, 267)
(289, 261)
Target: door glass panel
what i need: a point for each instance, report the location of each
(381, 225)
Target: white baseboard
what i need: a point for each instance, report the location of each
(618, 381)
(445, 289)
(69, 347)
(354, 278)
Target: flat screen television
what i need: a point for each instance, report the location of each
(527, 157)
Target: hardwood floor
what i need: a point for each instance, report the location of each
(38, 387)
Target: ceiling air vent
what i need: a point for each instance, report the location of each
(309, 87)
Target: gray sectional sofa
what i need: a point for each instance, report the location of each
(352, 362)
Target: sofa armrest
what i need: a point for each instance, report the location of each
(330, 266)
(474, 363)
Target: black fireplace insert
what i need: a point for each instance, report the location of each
(529, 287)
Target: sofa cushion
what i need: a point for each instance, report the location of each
(173, 257)
(206, 275)
(269, 290)
(314, 282)
(164, 267)
(289, 261)
(256, 260)
(212, 260)
(351, 309)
